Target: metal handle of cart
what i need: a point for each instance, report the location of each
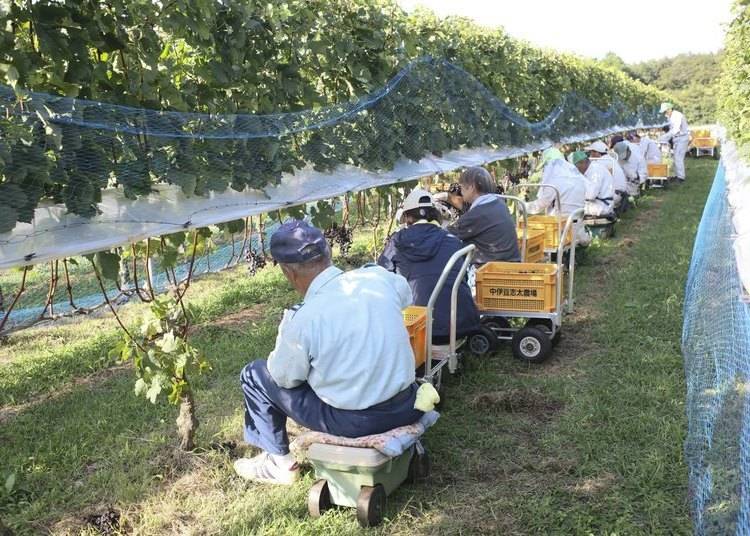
(573, 219)
(467, 253)
(520, 202)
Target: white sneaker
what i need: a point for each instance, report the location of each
(263, 468)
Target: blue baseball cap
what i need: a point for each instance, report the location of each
(297, 241)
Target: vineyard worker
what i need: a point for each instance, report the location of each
(679, 135)
(599, 149)
(487, 223)
(649, 147)
(571, 185)
(419, 252)
(566, 179)
(600, 190)
(632, 163)
(342, 363)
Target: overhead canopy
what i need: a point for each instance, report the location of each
(82, 176)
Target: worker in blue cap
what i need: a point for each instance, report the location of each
(342, 363)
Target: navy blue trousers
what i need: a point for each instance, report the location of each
(267, 407)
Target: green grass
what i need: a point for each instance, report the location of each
(590, 442)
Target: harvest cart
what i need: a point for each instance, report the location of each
(658, 175)
(524, 303)
(429, 359)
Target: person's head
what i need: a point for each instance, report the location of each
(475, 182)
(634, 137)
(580, 160)
(614, 140)
(666, 108)
(302, 252)
(417, 206)
(596, 149)
(622, 150)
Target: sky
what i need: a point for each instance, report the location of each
(635, 30)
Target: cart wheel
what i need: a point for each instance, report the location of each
(318, 498)
(483, 342)
(419, 467)
(370, 505)
(531, 344)
(546, 326)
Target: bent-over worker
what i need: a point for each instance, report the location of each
(570, 184)
(632, 164)
(600, 188)
(599, 150)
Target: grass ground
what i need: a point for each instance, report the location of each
(588, 443)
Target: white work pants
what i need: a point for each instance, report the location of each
(679, 151)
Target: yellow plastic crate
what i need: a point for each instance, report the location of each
(514, 286)
(415, 320)
(658, 170)
(704, 143)
(534, 244)
(552, 227)
(701, 133)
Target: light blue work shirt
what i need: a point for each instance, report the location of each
(347, 340)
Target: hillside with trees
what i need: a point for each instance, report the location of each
(691, 78)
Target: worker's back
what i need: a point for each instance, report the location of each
(352, 326)
(420, 253)
(569, 182)
(600, 198)
(490, 227)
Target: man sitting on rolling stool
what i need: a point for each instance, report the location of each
(342, 363)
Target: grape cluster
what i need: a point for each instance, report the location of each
(341, 235)
(255, 261)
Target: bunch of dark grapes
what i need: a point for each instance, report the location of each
(255, 261)
(344, 239)
(339, 235)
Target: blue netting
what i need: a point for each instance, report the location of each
(716, 347)
(68, 149)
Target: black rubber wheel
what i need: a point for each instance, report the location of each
(531, 344)
(546, 326)
(483, 342)
(419, 467)
(370, 505)
(318, 498)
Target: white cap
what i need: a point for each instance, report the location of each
(417, 198)
(665, 106)
(621, 149)
(598, 146)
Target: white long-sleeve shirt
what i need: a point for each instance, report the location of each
(635, 169)
(642, 166)
(650, 150)
(677, 125)
(600, 192)
(570, 183)
(619, 178)
(347, 340)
